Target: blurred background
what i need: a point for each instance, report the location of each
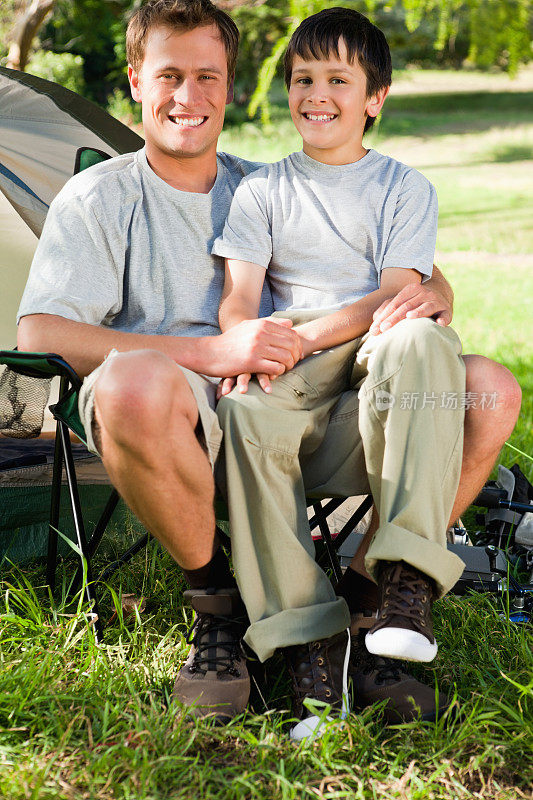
(460, 111)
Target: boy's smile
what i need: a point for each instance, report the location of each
(329, 105)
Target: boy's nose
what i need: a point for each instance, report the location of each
(318, 95)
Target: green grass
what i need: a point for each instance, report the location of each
(80, 721)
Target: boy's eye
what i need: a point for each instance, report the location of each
(337, 80)
(304, 81)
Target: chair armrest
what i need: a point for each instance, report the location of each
(40, 365)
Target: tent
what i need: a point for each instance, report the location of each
(42, 125)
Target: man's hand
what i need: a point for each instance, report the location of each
(268, 346)
(411, 302)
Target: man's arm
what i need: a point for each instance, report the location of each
(251, 346)
(431, 299)
(354, 320)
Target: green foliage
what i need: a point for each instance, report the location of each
(7, 17)
(497, 30)
(490, 33)
(63, 68)
(260, 28)
(95, 30)
(121, 106)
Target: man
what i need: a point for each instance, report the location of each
(128, 241)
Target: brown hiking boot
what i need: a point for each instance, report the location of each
(404, 627)
(319, 671)
(376, 679)
(214, 680)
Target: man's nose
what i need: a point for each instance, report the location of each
(187, 93)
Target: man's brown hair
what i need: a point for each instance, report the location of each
(179, 15)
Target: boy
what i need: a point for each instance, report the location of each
(340, 229)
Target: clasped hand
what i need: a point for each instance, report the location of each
(282, 352)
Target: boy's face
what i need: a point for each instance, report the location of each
(183, 88)
(329, 106)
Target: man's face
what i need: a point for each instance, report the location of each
(329, 104)
(183, 88)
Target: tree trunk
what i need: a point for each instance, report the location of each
(28, 23)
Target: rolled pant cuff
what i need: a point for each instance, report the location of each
(297, 626)
(392, 543)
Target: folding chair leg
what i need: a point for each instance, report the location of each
(97, 535)
(51, 561)
(328, 541)
(125, 557)
(78, 524)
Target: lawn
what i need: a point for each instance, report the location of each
(80, 721)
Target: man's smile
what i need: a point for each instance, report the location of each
(186, 122)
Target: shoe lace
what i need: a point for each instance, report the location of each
(406, 594)
(207, 655)
(318, 688)
(387, 669)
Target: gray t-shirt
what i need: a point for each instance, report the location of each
(122, 248)
(325, 233)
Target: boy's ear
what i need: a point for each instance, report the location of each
(375, 103)
(135, 88)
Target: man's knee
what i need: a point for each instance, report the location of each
(496, 397)
(139, 394)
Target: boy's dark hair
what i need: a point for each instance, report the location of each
(318, 37)
(179, 15)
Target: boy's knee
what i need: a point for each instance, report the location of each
(423, 338)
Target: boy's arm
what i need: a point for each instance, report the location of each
(431, 299)
(243, 283)
(354, 320)
(241, 296)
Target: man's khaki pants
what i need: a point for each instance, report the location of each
(410, 424)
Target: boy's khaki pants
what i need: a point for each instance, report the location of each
(410, 424)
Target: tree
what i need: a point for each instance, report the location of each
(29, 19)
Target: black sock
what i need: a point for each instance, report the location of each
(360, 593)
(216, 574)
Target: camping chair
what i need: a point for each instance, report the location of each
(26, 374)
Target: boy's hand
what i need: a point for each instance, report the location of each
(241, 381)
(225, 385)
(413, 301)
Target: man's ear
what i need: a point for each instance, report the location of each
(375, 103)
(135, 88)
(229, 96)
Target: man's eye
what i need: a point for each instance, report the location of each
(207, 77)
(167, 77)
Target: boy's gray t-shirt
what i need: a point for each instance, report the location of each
(324, 233)
(122, 248)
